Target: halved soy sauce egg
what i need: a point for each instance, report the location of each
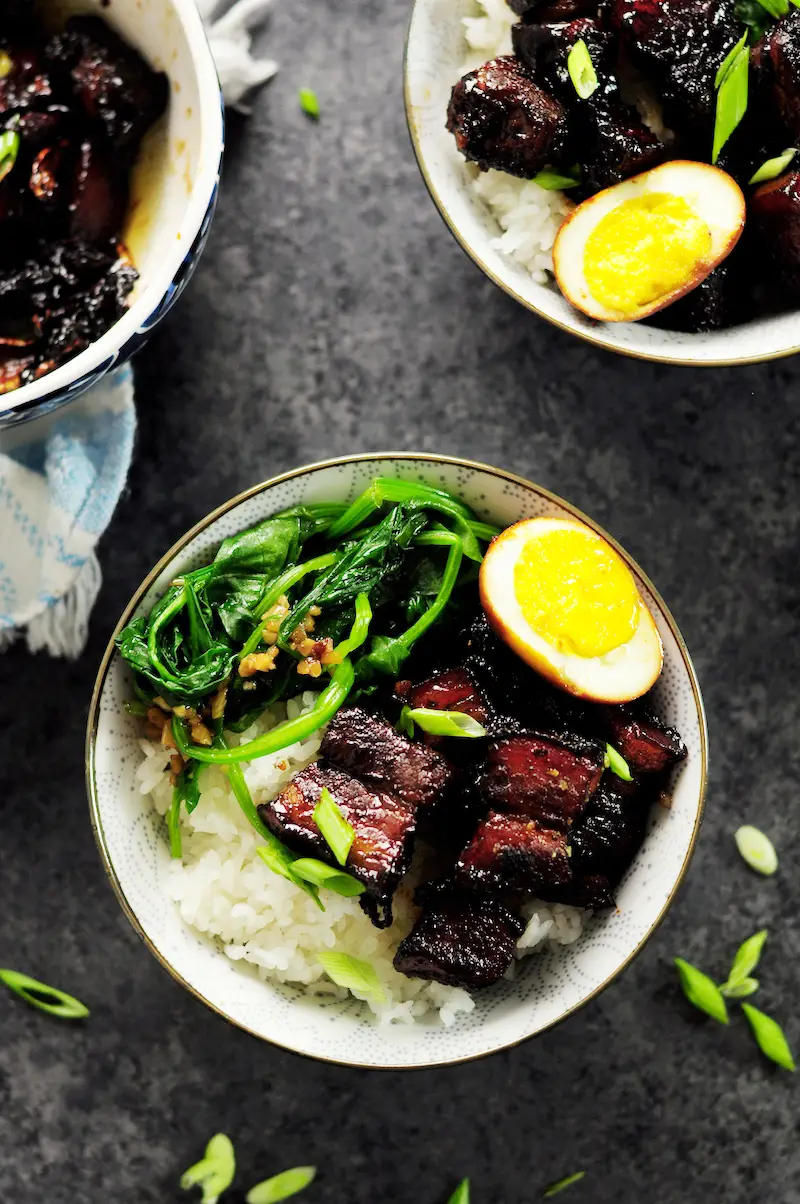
(640, 245)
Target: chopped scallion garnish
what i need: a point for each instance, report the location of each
(320, 874)
(353, 973)
(214, 1172)
(617, 764)
(561, 1184)
(775, 8)
(741, 989)
(280, 861)
(281, 1187)
(337, 833)
(774, 167)
(581, 70)
(701, 991)
(769, 1037)
(731, 82)
(756, 849)
(5, 64)
(746, 960)
(446, 723)
(46, 999)
(9, 148)
(553, 181)
(404, 725)
(461, 1194)
(309, 103)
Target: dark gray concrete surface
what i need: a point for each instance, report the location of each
(333, 313)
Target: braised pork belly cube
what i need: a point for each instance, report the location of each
(509, 853)
(384, 832)
(593, 892)
(371, 749)
(111, 80)
(776, 59)
(461, 939)
(647, 744)
(502, 120)
(549, 11)
(450, 690)
(612, 829)
(712, 305)
(774, 216)
(680, 47)
(542, 777)
(27, 81)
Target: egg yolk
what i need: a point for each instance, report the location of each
(644, 249)
(576, 592)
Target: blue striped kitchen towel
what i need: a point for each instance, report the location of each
(61, 476)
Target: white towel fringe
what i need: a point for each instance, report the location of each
(63, 628)
(230, 40)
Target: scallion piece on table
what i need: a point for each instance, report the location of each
(773, 167)
(9, 148)
(701, 991)
(554, 182)
(309, 103)
(445, 723)
(320, 874)
(756, 849)
(731, 82)
(46, 999)
(745, 961)
(353, 973)
(561, 1184)
(214, 1172)
(461, 1194)
(769, 1037)
(581, 70)
(617, 764)
(283, 1186)
(337, 833)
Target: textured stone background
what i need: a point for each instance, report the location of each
(333, 313)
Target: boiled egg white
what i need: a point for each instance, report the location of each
(566, 602)
(642, 244)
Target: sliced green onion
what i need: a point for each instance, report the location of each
(741, 989)
(774, 167)
(281, 1187)
(360, 629)
(746, 960)
(769, 1037)
(461, 1194)
(756, 849)
(337, 833)
(617, 764)
(46, 999)
(5, 64)
(135, 706)
(731, 82)
(445, 723)
(561, 1184)
(174, 825)
(320, 874)
(309, 103)
(581, 70)
(405, 725)
(280, 861)
(9, 147)
(354, 974)
(775, 8)
(701, 991)
(553, 182)
(214, 1172)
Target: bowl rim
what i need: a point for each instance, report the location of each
(211, 143)
(587, 335)
(261, 487)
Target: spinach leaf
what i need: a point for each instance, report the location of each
(263, 549)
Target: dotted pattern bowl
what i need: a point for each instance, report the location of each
(549, 986)
(435, 52)
(173, 191)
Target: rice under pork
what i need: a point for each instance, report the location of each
(224, 889)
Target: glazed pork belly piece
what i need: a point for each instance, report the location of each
(510, 853)
(451, 690)
(774, 214)
(647, 744)
(369, 748)
(502, 120)
(384, 832)
(776, 60)
(607, 136)
(461, 939)
(544, 778)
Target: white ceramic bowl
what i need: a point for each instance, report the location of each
(133, 844)
(173, 189)
(435, 54)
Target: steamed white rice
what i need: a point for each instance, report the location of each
(224, 889)
(529, 216)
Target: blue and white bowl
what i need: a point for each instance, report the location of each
(173, 191)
